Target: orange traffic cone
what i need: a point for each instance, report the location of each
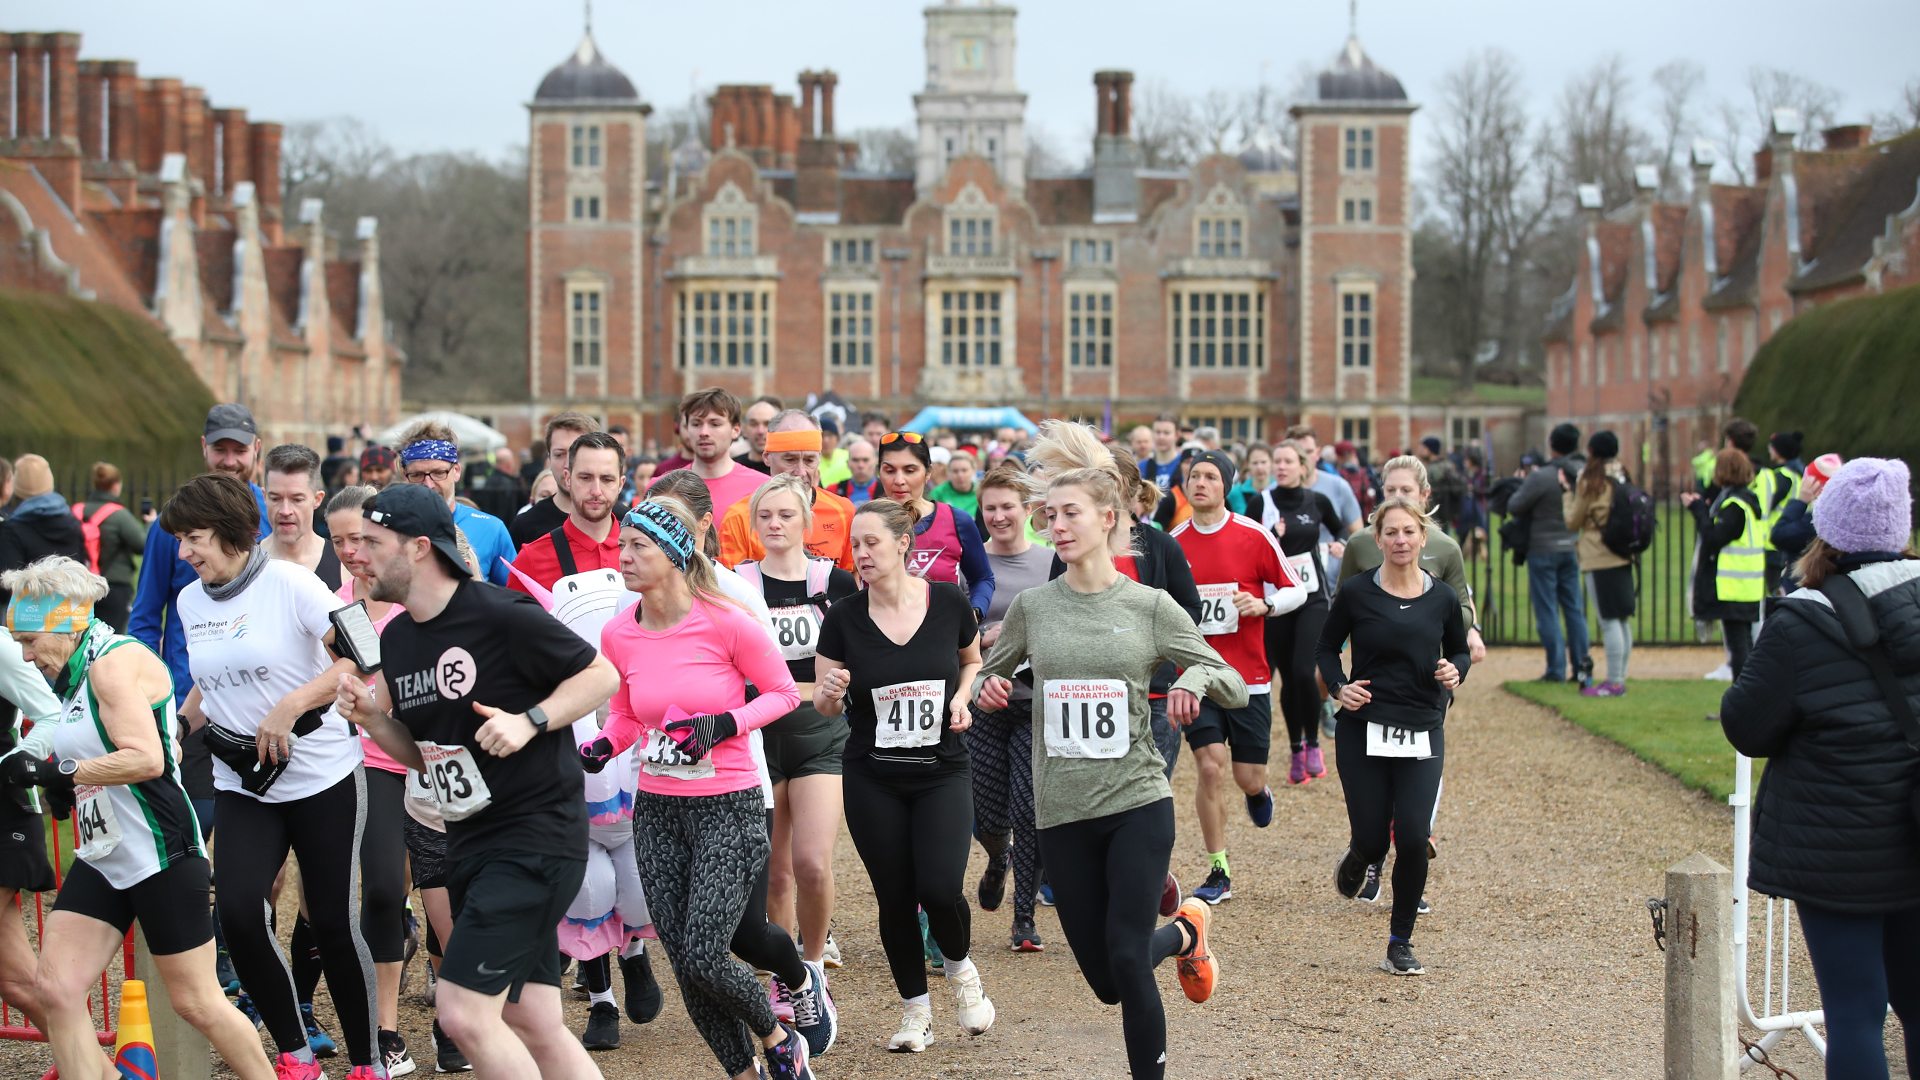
(133, 1045)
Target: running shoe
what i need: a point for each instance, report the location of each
(603, 1027)
(788, 1061)
(1217, 887)
(1297, 770)
(1198, 969)
(1025, 937)
(1045, 894)
(830, 953)
(432, 991)
(1170, 896)
(814, 1016)
(780, 999)
(289, 1067)
(245, 1005)
(1316, 763)
(644, 999)
(1400, 960)
(1723, 673)
(916, 1030)
(393, 1051)
(1349, 875)
(1260, 808)
(1425, 908)
(976, 1008)
(447, 1057)
(929, 946)
(361, 1072)
(993, 884)
(1370, 888)
(1605, 689)
(318, 1040)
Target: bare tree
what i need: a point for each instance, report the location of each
(1163, 126)
(316, 154)
(1599, 142)
(885, 150)
(1731, 133)
(1773, 88)
(1218, 119)
(1045, 155)
(1903, 117)
(1679, 83)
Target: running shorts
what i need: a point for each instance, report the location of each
(170, 904)
(23, 851)
(507, 907)
(426, 853)
(804, 743)
(1248, 731)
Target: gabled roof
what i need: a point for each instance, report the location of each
(1616, 241)
(1737, 214)
(1886, 182)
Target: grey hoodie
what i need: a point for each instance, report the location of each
(1539, 495)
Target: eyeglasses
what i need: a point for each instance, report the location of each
(428, 476)
(899, 436)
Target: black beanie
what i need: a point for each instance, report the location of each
(1564, 439)
(1604, 444)
(1788, 443)
(1218, 460)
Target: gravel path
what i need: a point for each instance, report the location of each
(1539, 955)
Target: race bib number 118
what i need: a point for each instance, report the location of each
(1086, 718)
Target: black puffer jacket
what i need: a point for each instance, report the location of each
(1833, 824)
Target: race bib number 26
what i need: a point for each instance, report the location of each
(1086, 718)
(456, 781)
(1217, 613)
(909, 714)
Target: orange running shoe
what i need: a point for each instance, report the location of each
(1198, 969)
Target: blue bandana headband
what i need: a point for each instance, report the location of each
(47, 615)
(430, 450)
(665, 530)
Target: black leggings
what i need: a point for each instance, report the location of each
(1000, 749)
(1738, 634)
(1390, 802)
(1290, 643)
(759, 942)
(383, 886)
(913, 834)
(1107, 874)
(323, 831)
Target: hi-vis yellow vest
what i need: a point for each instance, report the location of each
(1741, 571)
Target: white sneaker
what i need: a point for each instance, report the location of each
(916, 1030)
(976, 1009)
(1723, 673)
(830, 952)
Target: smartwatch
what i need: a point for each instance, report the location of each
(538, 718)
(69, 766)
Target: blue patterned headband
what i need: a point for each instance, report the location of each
(430, 450)
(665, 530)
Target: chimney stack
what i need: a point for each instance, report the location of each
(63, 87)
(30, 104)
(93, 111)
(827, 82)
(820, 160)
(234, 170)
(807, 85)
(123, 109)
(264, 140)
(1848, 136)
(1116, 189)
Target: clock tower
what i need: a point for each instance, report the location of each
(971, 104)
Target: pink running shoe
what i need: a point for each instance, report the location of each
(1316, 762)
(289, 1067)
(1297, 772)
(781, 999)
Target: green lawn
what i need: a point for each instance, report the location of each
(1663, 721)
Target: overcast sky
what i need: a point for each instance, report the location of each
(439, 74)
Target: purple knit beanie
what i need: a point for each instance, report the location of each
(1866, 506)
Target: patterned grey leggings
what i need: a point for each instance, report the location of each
(699, 856)
(1000, 745)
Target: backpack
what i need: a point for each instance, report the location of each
(818, 570)
(1630, 521)
(90, 530)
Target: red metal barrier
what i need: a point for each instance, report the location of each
(16, 1026)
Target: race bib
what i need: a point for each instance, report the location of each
(661, 756)
(455, 778)
(1087, 718)
(797, 629)
(1217, 613)
(1384, 741)
(909, 714)
(1302, 568)
(99, 828)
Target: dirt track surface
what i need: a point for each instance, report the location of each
(1539, 955)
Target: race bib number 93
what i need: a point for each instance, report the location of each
(456, 781)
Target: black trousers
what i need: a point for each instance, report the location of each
(1390, 803)
(913, 834)
(759, 942)
(1290, 643)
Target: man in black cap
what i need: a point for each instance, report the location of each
(1553, 565)
(477, 691)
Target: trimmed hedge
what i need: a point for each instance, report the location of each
(82, 381)
(1847, 374)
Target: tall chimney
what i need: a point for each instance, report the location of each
(30, 61)
(827, 82)
(265, 142)
(93, 110)
(1123, 104)
(196, 135)
(63, 87)
(806, 104)
(123, 109)
(1116, 188)
(235, 167)
(1102, 103)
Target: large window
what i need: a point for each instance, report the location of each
(1219, 237)
(850, 252)
(584, 327)
(1466, 429)
(1356, 328)
(1219, 328)
(1090, 328)
(970, 328)
(850, 329)
(727, 328)
(586, 146)
(730, 234)
(969, 235)
(1358, 151)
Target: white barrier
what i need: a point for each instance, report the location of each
(1779, 914)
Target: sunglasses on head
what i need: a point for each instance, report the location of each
(899, 436)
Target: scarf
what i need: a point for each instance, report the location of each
(256, 562)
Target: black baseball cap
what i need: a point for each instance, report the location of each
(231, 421)
(418, 510)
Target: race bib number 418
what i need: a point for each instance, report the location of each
(909, 714)
(1086, 718)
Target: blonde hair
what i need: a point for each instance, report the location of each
(701, 579)
(1299, 455)
(1414, 509)
(56, 575)
(32, 476)
(1411, 464)
(1066, 447)
(784, 484)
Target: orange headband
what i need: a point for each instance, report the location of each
(793, 441)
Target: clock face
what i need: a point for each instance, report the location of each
(973, 55)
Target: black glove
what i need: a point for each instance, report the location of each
(595, 755)
(22, 769)
(60, 802)
(696, 736)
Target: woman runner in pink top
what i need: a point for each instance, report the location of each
(699, 815)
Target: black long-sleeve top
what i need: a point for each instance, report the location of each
(1397, 644)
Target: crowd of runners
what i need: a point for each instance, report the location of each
(625, 721)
